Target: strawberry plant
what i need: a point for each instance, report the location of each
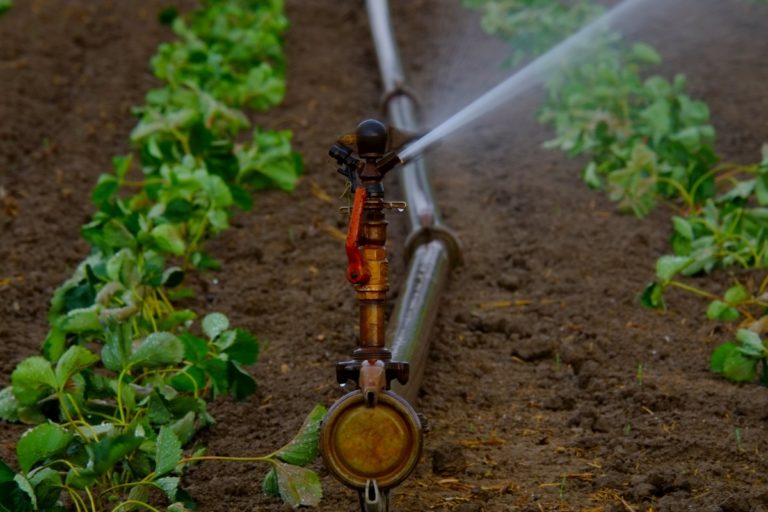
(230, 49)
(645, 137)
(125, 374)
(740, 362)
(728, 230)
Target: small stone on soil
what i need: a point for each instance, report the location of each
(509, 282)
(448, 459)
(534, 349)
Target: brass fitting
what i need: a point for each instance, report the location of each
(372, 295)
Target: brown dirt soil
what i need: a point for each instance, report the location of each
(574, 399)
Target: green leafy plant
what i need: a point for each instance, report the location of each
(105, 466)
(741, 361)
(645, 137)
(104, 429)
(5, 5)
(230, 49)
(125, 374)
(727, 230)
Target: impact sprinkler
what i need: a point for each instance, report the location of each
(371, 438)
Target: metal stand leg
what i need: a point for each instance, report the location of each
(372, 499)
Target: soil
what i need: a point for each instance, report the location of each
(573, 398)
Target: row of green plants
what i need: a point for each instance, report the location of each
(126, 372)
(648, 142)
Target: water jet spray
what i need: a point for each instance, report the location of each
(567, 52)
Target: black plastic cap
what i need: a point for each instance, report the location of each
(371, 138)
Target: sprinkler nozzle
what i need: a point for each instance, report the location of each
(388, 162)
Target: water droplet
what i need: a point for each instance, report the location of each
(401, 210)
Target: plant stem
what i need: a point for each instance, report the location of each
(71, 421)
(229, 459)
(692, 289)
(197, 237)
(120, 394)
(146, 481)
(687, 198)
(134, 502)
(90, 498)
(80, 505)
(763, 285)
(138, 184)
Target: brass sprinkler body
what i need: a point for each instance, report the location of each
(371, 438)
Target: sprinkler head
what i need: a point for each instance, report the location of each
(374, 134)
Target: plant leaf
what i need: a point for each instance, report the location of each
(40, 443)
(244, 348)
(105, 188)
(185, 427)
(214, 324)
(751, 344)
(653, 296)
(668, 266)
(719, 356)
(138, 493)
(26, 487)
(8, 405)
(73, 361)
(47, 485)
(80, 478)
(6, 473)
(168, 238)
(739, 368)
(195, 349)
(111, 450)
(241, 383)
(682, 227)
(298, 486)
(168, 451)
(719, 310)
(80, 320)
(303, 448)
(169, 486)
(54, 344)
(158, 349)
(178, 507)
(32, 380)
(736, 295)
(173, 277)
(12, 497)
(269, 484)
